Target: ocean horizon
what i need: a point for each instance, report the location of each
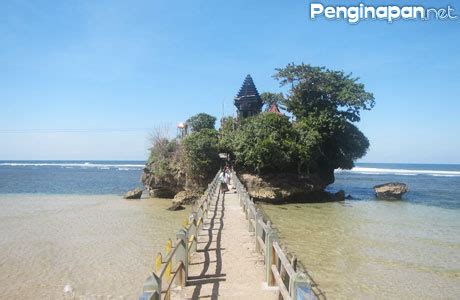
(117, 176)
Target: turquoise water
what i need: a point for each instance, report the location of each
(371, 249)
(69, 177)
(65, 224)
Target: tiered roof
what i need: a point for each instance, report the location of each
(274, 109)
(248, 101)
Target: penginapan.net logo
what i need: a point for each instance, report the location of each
(353, 14)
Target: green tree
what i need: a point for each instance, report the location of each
(266, 143)
(201, 121)
(200, 157)
(327, 143)
(317, 89)
(164, 160)
(325, 103)
(227, 133)
(273, 98)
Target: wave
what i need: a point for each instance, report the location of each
(402, 172)
(126, 169)
(75, 165)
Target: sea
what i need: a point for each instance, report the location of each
(65, 232)
(364, 248)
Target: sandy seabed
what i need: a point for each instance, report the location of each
(96, 245)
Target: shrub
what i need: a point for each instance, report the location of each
(200, 157)
(201, 121)
(265, 143)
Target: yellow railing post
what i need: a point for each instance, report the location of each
(188, 240)
(182, 251)
(185, 223)
(158, 262)
(168, 263)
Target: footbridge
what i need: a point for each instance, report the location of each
(227, 249)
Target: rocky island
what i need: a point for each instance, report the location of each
(280, 157)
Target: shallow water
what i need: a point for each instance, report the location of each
(375, 249)
(99, 245)
(104, 245)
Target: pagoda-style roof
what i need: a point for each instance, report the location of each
(248, 101)
(274, 109)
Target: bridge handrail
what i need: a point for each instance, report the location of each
(184, 246)
(279, 271)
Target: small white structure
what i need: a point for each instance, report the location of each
(182, 129)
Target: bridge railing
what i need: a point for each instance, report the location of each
(279, 270)
(172, 269)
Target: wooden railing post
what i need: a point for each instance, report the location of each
(246, 205)
(193, 233)
(270, 257)
(180, 278)
(250, 217)
(259, 230)
(152, 288)
(182, 251)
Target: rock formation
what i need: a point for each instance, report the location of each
(176, 207)
(392, 190)
(288, 187)
(186, 197)
(162, 186)
(134, 194)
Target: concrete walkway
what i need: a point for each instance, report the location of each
(226, 265)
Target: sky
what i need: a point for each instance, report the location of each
(92, 79)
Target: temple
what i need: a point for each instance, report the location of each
(274, 109)
(248, 101)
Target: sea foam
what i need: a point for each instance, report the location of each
(402, 172)
(74, 165)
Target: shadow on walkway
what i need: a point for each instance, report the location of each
(207, 282)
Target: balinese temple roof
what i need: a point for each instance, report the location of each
(274, 109)
(248, 101)
(248, 89)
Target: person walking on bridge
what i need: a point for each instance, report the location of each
(224, 178)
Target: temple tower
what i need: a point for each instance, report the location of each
(248, 102)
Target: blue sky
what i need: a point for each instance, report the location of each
(90, 79)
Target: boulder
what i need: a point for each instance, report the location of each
(164, 186)
(186, 197)
(162, 193)
(289, 187)
(176, 207)
(134, 194)
(339, 196)
(392, 190)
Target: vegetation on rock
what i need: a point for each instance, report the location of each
(163, 175)
(265, 143)
(200, 157)
(201, 121)
(320, 136)
(316, 137)
(178, 164)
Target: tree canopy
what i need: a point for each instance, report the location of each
(315, 90)
(273, 98)
(201, 121)
(200, 156)
(265, 143)
(227, 133)
(324, 104)
(320, 136)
